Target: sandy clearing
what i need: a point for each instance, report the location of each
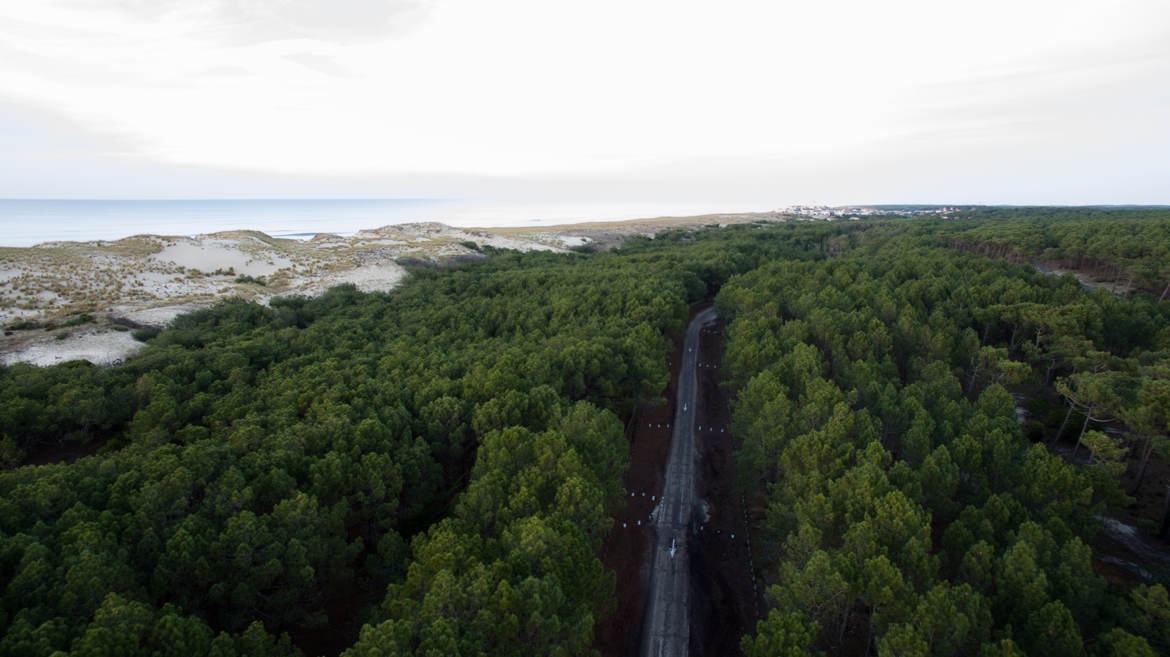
(573, 240)
(209, 255)
(376, 277)
(379, 242)
(97, 346)
(515, 244)
(158, 316)
(8, 315)
(46, 297)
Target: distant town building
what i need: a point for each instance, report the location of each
(828, 213)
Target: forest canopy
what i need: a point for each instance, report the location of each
(432, 470)
(905, 506)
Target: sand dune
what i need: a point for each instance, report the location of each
(61, 301)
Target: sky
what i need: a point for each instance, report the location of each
(739, 103)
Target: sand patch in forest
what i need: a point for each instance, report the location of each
(98, 346)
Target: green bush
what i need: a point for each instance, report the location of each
(145, 334)
(84, 318)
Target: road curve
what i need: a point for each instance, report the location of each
(667, 629)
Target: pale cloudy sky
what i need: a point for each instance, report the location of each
(737, 102)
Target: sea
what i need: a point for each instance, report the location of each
(28, 222)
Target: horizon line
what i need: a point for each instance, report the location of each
(456, 198)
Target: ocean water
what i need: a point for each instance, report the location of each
(30, 222)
